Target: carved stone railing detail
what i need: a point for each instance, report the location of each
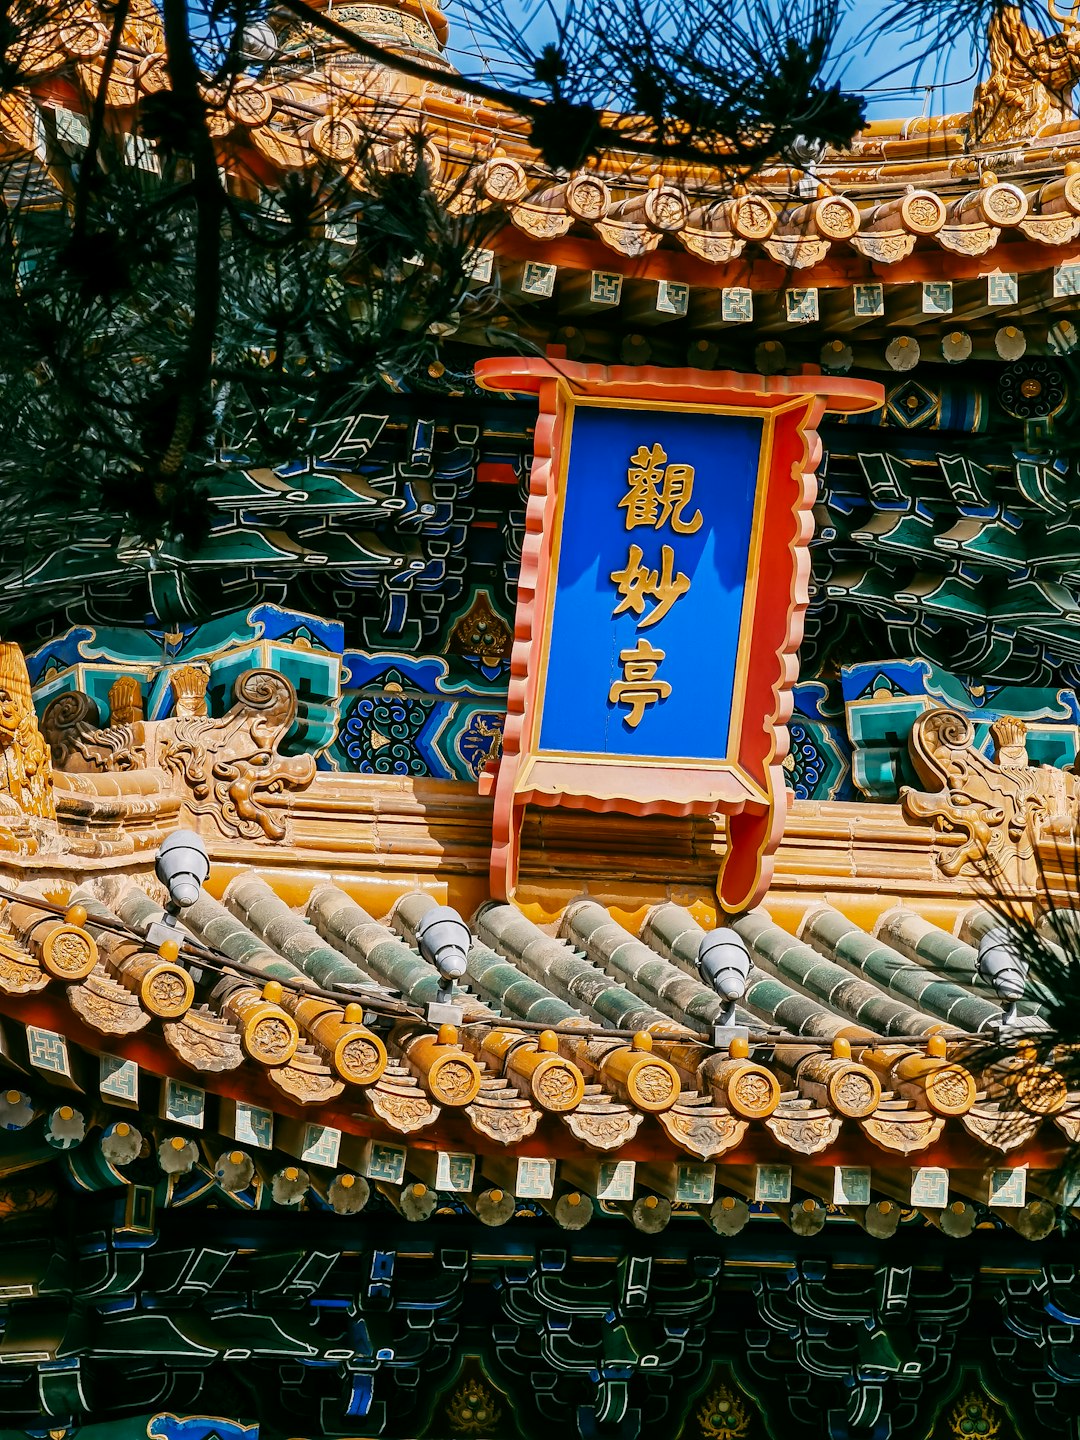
(996, 807)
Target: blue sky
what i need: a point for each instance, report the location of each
(891, 69)
(904, 93)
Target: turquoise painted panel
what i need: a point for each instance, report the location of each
(882, 701)
(304, 648)
(818, 765)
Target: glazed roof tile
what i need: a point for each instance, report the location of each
(584, 1055)
(896, 189)
(295, 1018)
(614, 1004)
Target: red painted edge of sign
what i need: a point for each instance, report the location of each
(780, 590)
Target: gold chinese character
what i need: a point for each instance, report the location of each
(636, 584)
(639, 686)
(642, 499)
(658, 492)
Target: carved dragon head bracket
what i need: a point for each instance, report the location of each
(232, 768)
(993, 810)
(228, 767)
(1030, 76)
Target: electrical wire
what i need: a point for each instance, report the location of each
(380, 1004)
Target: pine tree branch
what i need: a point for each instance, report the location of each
(97, 122)
(732, 151)
(209, 200)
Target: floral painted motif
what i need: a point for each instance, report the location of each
(380, 731)
(724, 1414)
(473, 1409)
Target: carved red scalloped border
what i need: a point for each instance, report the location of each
(782, 581)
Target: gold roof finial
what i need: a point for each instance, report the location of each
(1031, 76)
(1063, 15)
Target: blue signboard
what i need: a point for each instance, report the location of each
(663, 581)
(651, 551)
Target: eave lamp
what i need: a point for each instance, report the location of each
(723, 963)
(444, 940)
(1002, 965)
(183, 867)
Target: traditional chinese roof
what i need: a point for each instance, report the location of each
(945, 200)
(283, 1061)
(904, 256)
(583, 1045)
(256, 1159)
(295, 1019)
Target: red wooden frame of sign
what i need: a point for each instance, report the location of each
(750, 791)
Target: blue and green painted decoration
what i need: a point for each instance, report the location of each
(382, 581)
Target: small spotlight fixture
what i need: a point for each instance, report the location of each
(183, 866)
(1002, 965)
(723, 962)
(444, 940)
(258, 43)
